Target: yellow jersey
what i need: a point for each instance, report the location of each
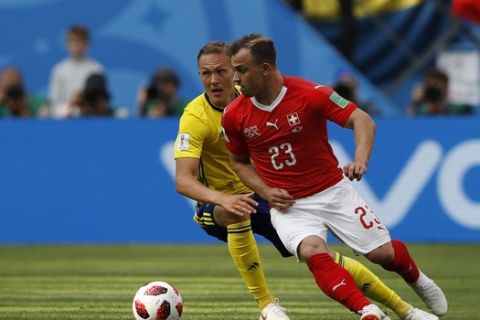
(200, 135)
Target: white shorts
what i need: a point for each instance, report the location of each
(338, 209)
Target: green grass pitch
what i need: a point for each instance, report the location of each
(98, 282)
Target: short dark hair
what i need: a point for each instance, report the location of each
(261, 48)
(436, 74)
(165, 75)
(212, 48)
(79, 31)
(95, 87)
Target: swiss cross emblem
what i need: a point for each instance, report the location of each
(293, 119)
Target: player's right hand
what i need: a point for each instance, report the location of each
(354, 170)
(239, 204)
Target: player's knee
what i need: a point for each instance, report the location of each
(311, 246)
(382, 255)
(225, 219)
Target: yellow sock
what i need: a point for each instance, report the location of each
(372, 286)
(244, 252)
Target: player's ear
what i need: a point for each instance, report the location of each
(266, 68)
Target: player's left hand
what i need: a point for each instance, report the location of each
(280, 199)
(354, 170)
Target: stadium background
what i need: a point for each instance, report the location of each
(110, 181)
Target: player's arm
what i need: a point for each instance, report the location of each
(187, 184)
(364, 132)
(278, 198)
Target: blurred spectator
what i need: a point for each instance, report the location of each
(161, 98)
(347, 87)
(431, 97)
(14, 99)
(156, 106)
(68, 76)
(94, 99)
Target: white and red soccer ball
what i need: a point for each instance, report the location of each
(157, 300)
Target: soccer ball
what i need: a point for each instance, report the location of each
(157, 300)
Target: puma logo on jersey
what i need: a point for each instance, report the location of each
(272, 124)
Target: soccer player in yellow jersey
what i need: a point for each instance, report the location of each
(226, 208)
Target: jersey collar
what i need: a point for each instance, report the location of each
(214, 107)
(275, 102)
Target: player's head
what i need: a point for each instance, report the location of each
(253, 59)
(216, 72)
(78, 39)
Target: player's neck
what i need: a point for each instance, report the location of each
(271, 90)
(221, 104)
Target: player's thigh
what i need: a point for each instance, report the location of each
(262, 225)
(224, 218)
(351, 220)
(204, 217)
(296, 224)
(214, 220)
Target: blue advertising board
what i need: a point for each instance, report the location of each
(112, 181)
(423, 178)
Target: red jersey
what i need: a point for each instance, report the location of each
(287, 140)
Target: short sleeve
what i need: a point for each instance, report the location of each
(233, 136)
(191, 135)
(333, 106)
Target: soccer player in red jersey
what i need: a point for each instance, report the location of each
(276, 133)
